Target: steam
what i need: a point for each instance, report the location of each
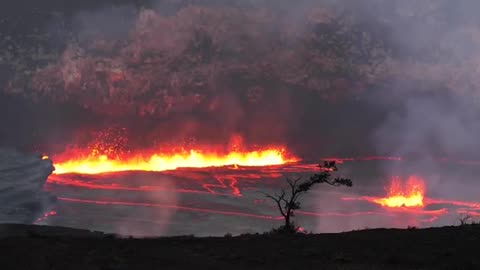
(431, 128)
(431, 100)
(428, 93)
(148, 221)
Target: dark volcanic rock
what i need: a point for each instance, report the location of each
(22, 177)
(382, 249)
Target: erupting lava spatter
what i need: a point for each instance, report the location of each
(410, 195)
(95, 164)
(410, 198)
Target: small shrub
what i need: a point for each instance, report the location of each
(287, 230)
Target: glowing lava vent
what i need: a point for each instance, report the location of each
(409, 195)
(95, 164)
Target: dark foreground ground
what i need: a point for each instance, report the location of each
(27, 247)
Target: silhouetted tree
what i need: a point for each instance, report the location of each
(288, 200)
(464, 220)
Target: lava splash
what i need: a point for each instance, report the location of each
(95, 164)
(410, 195)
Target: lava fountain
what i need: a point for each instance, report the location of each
(409, 195)
(162, 161)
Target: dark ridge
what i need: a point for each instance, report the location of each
(60, 248)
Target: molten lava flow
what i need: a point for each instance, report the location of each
(411, 195)
(94, 164)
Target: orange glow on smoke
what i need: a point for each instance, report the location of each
(95, 164)
(409, 195)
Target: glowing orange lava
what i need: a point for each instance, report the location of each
(95, 164)
(410, 195)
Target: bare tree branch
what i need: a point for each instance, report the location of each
(278, 199)
(298, 188)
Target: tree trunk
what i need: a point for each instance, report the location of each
(287, 220)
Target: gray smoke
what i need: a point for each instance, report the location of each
(431, 99)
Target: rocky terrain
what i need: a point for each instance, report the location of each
(60, 248)
(22, 198)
